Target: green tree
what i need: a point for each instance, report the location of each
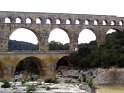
(57, 46)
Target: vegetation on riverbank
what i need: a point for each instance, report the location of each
(105, 56)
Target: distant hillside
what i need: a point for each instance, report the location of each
(20, 45)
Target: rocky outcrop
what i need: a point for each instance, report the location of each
(112, 76)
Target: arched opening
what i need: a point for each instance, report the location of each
(62, 62)
(86, 36)
(7, 20)
(112, 22)
(48, 21)
(114, 39)
(120, 23)
(28, 20)
(60, 38)
(77, 22)
(28, 69)
(68, 21)
(18, 20)
(58, 21)
(18, 40)
(110, 31)
(62, 65)
(104, 22)
(95, 22)
(86, 22)
(38, 21)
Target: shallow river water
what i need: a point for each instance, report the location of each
(110, 89)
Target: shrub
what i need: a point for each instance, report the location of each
(6, 84)
(89, 82)
(47, 88)
(23, 82)
(31, 88)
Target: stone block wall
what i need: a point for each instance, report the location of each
(111, 76)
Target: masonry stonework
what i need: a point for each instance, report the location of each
(72, 24)
(41, 24)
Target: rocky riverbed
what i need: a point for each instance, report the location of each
(44, 88)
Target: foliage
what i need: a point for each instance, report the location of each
(6, 84)
(27, 65)
(31, 88)
(89, 82)
(47, 88)
(107, 55)
(50, 80)
(58, 46)
(20, 45)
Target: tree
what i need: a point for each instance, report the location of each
(57, 46)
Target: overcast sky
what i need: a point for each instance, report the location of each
(101, 7)
(98, 7)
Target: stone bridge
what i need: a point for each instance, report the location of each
(46, 62)
(41, 24)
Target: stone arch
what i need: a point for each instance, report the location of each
(62, 29)
(39, 63)
(28, 20)
(58, 21)
(77, 21)
(18, 20)
(120, 23)
(7, 20)
(91, 32)
(63, 61)
(113, 22)
(38, 21)
(28, 30)
(48, 21)
(111, 30)
(68, 21)
(95, 22)
(104, 22)
(86, 22)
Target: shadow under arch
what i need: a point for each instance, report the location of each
(25, 34)
(37, 63)
(63, 62)
(89, 35)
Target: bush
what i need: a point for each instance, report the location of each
(89, 82)
(6, 84)
(47, 88)
(49, 80)
(31, 88)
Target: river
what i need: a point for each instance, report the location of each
(110, 89)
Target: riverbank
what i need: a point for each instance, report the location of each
(110, 89)
(42, 88)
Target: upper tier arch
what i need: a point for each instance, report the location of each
(99, 24)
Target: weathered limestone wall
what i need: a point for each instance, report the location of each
(72, 24)
(46, 62)
(111, 76)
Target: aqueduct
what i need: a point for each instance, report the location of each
(41, 24)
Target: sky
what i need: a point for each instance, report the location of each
(98, 7)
